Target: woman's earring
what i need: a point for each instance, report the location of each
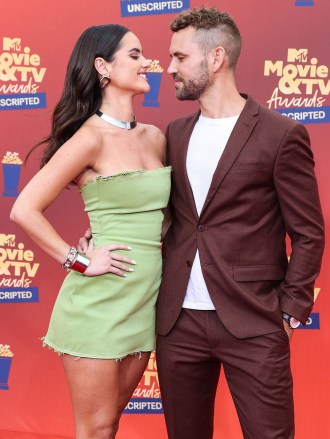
(104, 80)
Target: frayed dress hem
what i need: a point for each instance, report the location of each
(60, 351)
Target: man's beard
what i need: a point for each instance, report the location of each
(193, 89)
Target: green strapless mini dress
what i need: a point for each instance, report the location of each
(109, 316)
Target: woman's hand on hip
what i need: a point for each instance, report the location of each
(105, 260)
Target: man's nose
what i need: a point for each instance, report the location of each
(172, 67)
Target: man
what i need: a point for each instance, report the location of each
(243, 178)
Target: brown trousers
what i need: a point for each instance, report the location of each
(257, 370)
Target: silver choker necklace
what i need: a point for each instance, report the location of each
(117, 123)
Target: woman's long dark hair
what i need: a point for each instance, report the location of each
(81, 95)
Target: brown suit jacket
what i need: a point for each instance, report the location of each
(264, 187)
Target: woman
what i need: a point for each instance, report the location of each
(105, 308)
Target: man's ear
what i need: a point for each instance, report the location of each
(219, 55)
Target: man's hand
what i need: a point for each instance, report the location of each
(288, 330)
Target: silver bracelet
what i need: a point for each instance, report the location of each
(81, 263)
(71, 257)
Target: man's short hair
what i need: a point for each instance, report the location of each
(213, 28)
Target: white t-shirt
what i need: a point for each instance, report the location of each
(206, 145)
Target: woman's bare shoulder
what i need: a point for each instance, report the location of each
(89, 135)
(153, 132)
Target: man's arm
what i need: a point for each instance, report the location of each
(298, 197)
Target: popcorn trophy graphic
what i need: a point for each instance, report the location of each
(154, 75)
(6, 356)
(11, 166)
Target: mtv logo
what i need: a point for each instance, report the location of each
(7, 240)
(11, 44)
(297, 55)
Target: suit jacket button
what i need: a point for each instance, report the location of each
(189, 263)
(201, 228)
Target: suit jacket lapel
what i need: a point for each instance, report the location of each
(182, 157)
(240, 134)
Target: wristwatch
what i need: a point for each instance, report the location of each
(293, 323)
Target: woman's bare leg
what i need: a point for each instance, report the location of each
(100, 390)
(131, 371)
(94, 390)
